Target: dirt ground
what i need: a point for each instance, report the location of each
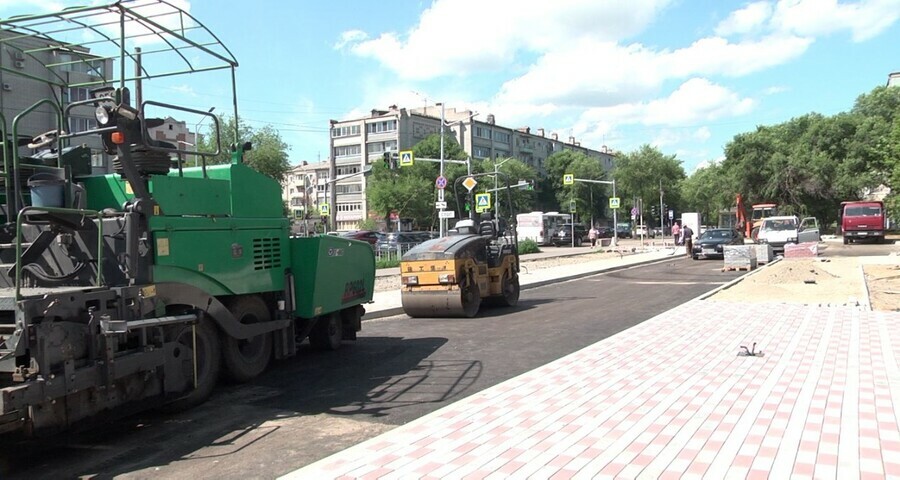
(823, 281)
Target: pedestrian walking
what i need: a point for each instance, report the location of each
(593, 233)
(688, 235)
(676, 233)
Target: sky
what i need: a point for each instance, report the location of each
(685, 76)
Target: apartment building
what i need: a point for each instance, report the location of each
(356, 143)
(35, 70)
(304, 190)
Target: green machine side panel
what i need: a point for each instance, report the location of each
(175, 195)
(253, 194)
(224, 255)
(330, 274)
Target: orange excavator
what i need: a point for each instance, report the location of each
(759, 211)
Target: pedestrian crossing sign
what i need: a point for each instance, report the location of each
(406, 158)
(482, 202)
(323, 209)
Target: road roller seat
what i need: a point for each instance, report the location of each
(465, 226)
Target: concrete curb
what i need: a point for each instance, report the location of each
(390, 312)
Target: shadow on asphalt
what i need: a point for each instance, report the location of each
(349, 382)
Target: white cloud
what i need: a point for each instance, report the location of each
(864, 19)
(185, 90)
(775, 90)
(350, 36)
(695, 102)
(746, 20)
(437, 47)
(702, 134)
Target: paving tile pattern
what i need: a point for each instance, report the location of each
(671, 398)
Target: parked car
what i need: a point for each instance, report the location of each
(642, 230)
(604, 232)
(399, 242)
(713, 240)
(365, 235)
(563, 235)
(623, 231)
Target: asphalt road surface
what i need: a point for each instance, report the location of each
(318, 403)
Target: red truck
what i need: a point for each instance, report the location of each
(863, 219)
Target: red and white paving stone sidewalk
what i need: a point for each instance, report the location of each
(670, 398)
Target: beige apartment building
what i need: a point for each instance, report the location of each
(357, 143)
(305, 190)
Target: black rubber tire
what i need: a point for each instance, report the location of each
(209, 363)
(511, 289)
(471, 298)
(245, 359)
(846, 240)
(577, 242)
(328, 333)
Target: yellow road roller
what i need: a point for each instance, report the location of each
(476, 263)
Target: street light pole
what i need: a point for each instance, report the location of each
(497, 201)
(197, 136)
(441, 220)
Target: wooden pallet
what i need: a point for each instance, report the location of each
(731, 269)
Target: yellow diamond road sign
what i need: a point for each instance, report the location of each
(469, 183)
(568, 179)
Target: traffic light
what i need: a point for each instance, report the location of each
(391, 160)
(653, 210)
(530, 185)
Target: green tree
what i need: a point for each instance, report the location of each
(268, 155)
(641, 174)
(411, 191)
(523, 200)
(581, 166)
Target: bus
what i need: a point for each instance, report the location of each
(539, 226)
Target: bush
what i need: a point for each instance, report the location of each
(528, 246)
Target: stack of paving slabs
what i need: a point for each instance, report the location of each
(764, 253)
(740, 256)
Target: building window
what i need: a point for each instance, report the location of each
(347, 170)
(97, 159)
(81, 124)
(381, 127)
(501, 137)
(483, 132)
(73, 63)
(345, 131)
(74, 94)
(481, 152)
(349, 207)
(352, 188)
(380, 147)
(501, 154)
(346, 150)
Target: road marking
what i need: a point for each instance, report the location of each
(665, 283)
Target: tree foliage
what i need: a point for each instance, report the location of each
(268, 155)
(642, 173)
(584, 167)
(411, 191)
(811, 163)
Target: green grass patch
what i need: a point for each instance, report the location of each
(387, 263)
